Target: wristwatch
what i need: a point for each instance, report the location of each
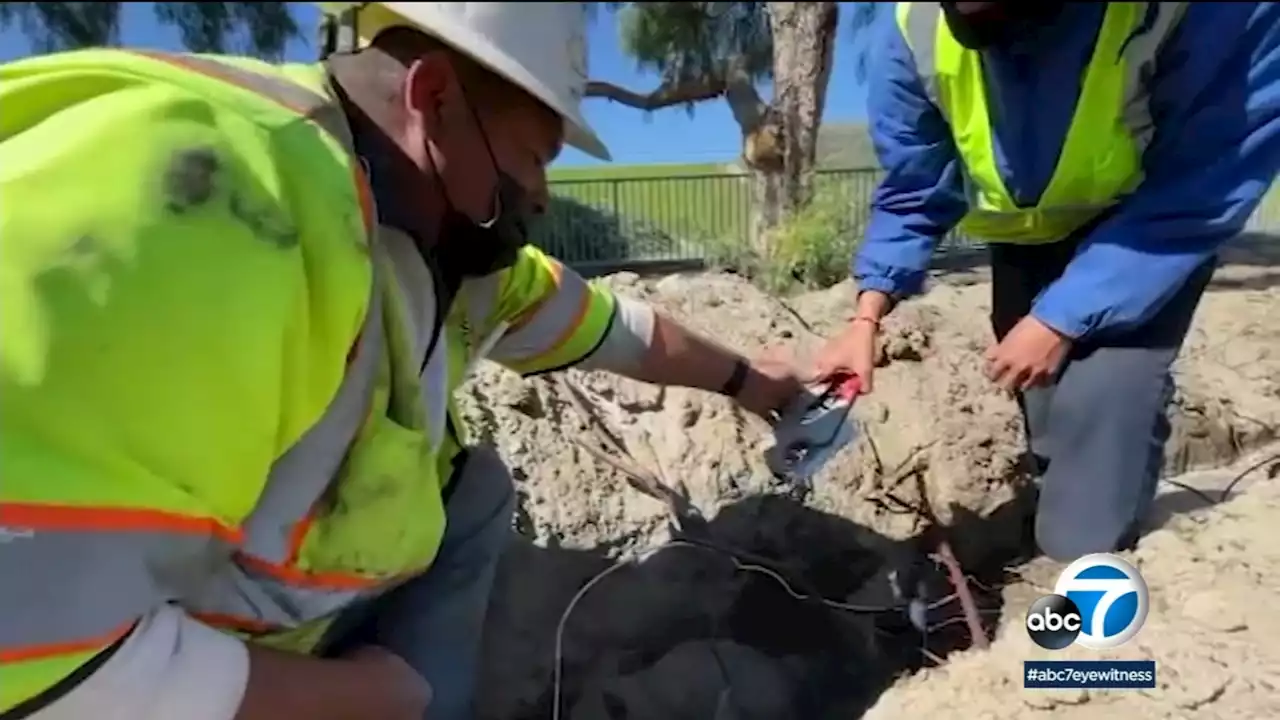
(734, 384)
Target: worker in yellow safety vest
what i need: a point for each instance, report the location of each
(236, 299)
(1104, 152)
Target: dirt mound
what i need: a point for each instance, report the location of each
(684, 634)
(1206, 572)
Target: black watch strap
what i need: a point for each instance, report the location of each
(734, 384)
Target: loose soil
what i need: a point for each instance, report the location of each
(685, 634)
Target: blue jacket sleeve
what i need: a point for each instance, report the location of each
(920, 198)
(1215, 152)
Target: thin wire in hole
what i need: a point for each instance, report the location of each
(558, 670)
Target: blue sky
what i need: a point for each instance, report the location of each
(634, 137)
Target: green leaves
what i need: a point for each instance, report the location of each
(261, 28)
(62, 25)
(255, 28)
(691, 45)
(685, 42)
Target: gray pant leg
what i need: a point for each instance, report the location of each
(435, 621)
(1103, 427)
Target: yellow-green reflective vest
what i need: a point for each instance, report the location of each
(212, 358)
(1101, 158)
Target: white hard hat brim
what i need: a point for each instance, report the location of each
(577, 132)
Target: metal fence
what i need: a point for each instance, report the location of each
(636, 221)
(609, 224)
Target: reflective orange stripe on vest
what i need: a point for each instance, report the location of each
(243, 578)
(85, 644)
(43, 517)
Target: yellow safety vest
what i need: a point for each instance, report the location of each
(212, 358)
(1101, 158)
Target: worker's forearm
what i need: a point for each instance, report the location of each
(921, 196)
(677, 356)
(645, 345)
(285, 685)
(873, 304)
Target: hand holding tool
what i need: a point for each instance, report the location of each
(812, 428)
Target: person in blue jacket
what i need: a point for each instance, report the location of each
(1105, 152)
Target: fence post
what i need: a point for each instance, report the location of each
(617, 207)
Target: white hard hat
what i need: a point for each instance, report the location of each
(538, 46)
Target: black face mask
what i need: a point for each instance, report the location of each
(1000, 24)
(470, 249)
(460, 247)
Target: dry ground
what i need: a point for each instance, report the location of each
(684, 635)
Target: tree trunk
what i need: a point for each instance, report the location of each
(781, 151)
(766, 210)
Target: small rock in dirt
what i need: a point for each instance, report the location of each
(624, 279)
(1190, 678)
(528, 403)
(1049, 699)
(669, 285)
(907, 344)
(1213, 611)
(879, 414)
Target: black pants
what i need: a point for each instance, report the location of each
(1098, 432)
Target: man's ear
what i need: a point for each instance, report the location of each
(430, 80)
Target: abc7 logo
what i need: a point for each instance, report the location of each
(1100, 601)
